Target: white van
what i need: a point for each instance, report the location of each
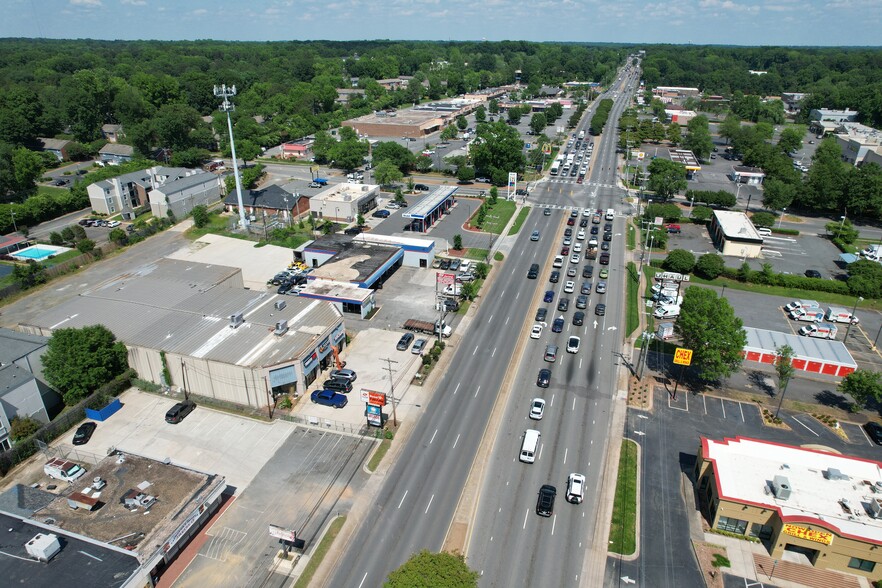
(610, 214)
(530, 446)
(764, 231)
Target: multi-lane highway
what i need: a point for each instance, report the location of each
(416, 503)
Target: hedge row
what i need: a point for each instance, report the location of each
(787, 281)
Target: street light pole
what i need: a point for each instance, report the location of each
(783, 210)
(225, 93)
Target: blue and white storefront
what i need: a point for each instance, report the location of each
(294, 378)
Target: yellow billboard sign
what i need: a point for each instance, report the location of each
(683, 356)
(808, 534)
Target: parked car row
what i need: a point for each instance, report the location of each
(334, 389)
(97, 222)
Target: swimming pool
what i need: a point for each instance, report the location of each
(36, 253)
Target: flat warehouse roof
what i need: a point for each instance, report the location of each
(808, 348)
(429, 203)
(687, 158)
(402, 117)
(736, 226)
(826, 489)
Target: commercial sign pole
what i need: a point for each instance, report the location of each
(682, 357)
(388, 368)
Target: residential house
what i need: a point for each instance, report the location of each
(112, 132)
(296, 149)
(57, 147)
(272, 200)
(127, 193)
(23, 390)
(114, 153)
(344, 95)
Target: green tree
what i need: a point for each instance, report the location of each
(395, 153)
(468, 290)
(448, 133)
(23, 427)
(29, 275)
(118, 236)
(708, 326)
(67, 234)
(461, 123)
(666, 177)
(423, 164)
(465, 174)
(698, 139)
(387, 173)
(349, 152)
(730, 127)
(399, 197)
(78, 361)
(55, 238)
(28, 167)
(843, 231)
(493, 196)
(863, 190)
(359, 220)
(674, 134)
(494, 106)
(680, 261)
(200, 216)
(783, 367)
(777, 195)
(763, 219)
(825, 182)
(499, 152)
(514, 115)
(481, 114)
(86, 246)
(709, 266)
(481, 270)
(78, 232)
(701, 214)
(790, 139)
(863, 386)
(457, 242)
(538, 122)
(247, 151)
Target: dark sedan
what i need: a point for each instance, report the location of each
(84, 433)
(549, 296)
(874, 431)
(544, 378)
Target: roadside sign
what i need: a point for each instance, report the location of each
(445, 279)
(281, 533)
(683, 356)
(374, 415)
(658, 221)
(512, 179)
(373, 398)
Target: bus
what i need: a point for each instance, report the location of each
(555, 167)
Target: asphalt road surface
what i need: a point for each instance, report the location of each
(414, 508)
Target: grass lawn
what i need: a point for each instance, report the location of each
(498, 216)
(320, 552)
(55, 260)
(632, 317)
(51, 190)
(622, 529)
(476, 253)
(379, 454)
(822, 297)
(519, 221)
(216, 224)
(498, 256)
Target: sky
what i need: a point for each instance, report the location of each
(729, 22)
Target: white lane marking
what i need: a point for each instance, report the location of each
(553, 523)
(574, 404)
(806, 426)
(475, 351)
(494, 353)
(566, 451)
(552, 401)
(433, 436)
(508, 317)
(455, 390)
(540, 452)
(360, 584)
(455, 441)
(503, 294)
(490, 320)
(476, 391)
(580, 364)
(526, 514)
(518, 295)
(402, 499)
(430, 504)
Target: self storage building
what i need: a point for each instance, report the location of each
(818, 356)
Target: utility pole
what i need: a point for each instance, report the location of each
(224, 92)
(388, 368)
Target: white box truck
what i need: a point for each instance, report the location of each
(820, 330)
(810, 315)
(610, 214)
(836, 314)
(806, 304)
(667, 311)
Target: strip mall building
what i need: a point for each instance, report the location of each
(817, 505)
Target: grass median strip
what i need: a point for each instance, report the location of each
(379, 454)
(519, 221)
(632, 318)
(623, 528)
(319, 554)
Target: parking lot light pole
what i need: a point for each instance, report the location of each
(781, 218)
(851, 322)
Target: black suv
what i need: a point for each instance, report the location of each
(541, 313)
(180, 410)
(534, 271)
(545, 502)
(588, 271)
(338, 385)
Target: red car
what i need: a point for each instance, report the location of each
(564, 250)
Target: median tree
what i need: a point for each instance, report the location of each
(680, 261)
(708, 326)
(709, 266)
(783, 368)
(864, 386)
(457, 242)
(78, 361)
(387, 173)
(438, 570)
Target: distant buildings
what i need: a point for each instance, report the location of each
(835, 116)
(116, 153)
(57, 147)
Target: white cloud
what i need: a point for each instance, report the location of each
(134, 2)
(199, 12)
(87, 3)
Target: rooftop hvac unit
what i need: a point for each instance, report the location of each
(43, 547)
(834, 474)
(875, 508)
(781, 487)
(281, 328)
(236, 320)
(280, 304)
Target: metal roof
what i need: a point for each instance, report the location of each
(184, 307)
(15, 345)
(808, 348)
(736, 226)
(426, 205)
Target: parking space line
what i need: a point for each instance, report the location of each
(741, 408)
(704, 400)
(428, 506)
(723, 406)
(806, 426)
(402, 498)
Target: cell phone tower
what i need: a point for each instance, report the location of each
(224, 92)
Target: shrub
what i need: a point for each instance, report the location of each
(701, 214)
(763, 219)
(709, 266)
(669, 212)
(680, 261)
(285, 403)
(23, 427)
